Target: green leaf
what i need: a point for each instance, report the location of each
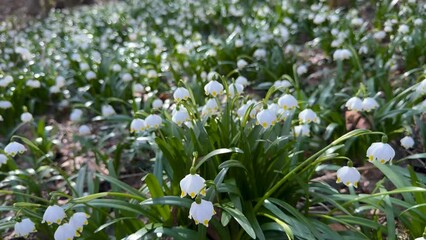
(241, 219)
(168, 200)
(157, 192)
(232, 163)
(215, 153)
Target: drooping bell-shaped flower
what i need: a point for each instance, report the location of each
(53, 214)
(242, 80)
(235, 89)
(24, 228)
(26, 117)
(192, 184)
(210, 108)
(283, 84)
(180, 116)
(381, 152)
(137, 125)
(78, 220)
(157, 103)
(84, 130)
(348, 176)
(14, 148)
(181, 94)
(421, 88)
(354, 104)
(308, 116)
(3, 159)
(287, 102)
(301, 130)
(107, 110)
(369, 104)
(153, 121)
(407, 142)
(76, 115)
(342, 54)
(266, 118)
(66, 232)
(213, 88)
(202, 212)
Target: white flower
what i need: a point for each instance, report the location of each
(181, 94)
(348, 176)
(53, 214)
(319, 18)
(157, 103)
(6, 81)
(235, 87)
(24, 228)
(54, 89)
(66, 232)
(363, 49)
(33, 83)
(379, 35)
(192, 184)
(5, 104)
(180, 116)
(3, 159)
(26, 117)
(342, 54)
(138, 88)
(382, 152)
(116, 68)
(266, 118)
(241, 64)
(354, 104)
(78, 220)
(76, 115)
(153, 121)
(211, 107)
(287, 102)
(418, 21)
(282, 84)
(259, 53)
(90, 75)
(407, 142)
(152, 73)
(301, 130)
(242, 80)
(302, 69)
(127, 77)
(107, 110)
(137, 125)
(239, 43)
(84, 130)
(308, 116)
(369, 104)
(213, 88)
(202, 212)
(14, 148)
(403, 29)
(357, 22)
(421, 88)
(60, 81)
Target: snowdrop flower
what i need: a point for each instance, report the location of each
(157, 103)
(152, 73)
(60, 81)
(84, 66)
(84, 130)
(6, 81)
(302, 69)
(363, 50)
(382, 152)
(127, 77)
(107, 110)
(380, 35)
(3, 159)
(319, 18)
(153, 121)
(421, 88)
(14, 148)
(342, 54)
(266, 118)
(137, 125)
(76, 115)
(354, 104)
(282, 84)
(239, 43)
(66, 232)
(5, 104)
(181, 94)
(348, 176)
(33, 83)
(418, 22)
(54, 89)
(180, 116)
(357, 22)
(90, 75)
(24, 228)
(53, 214)
(242, 80)
(211, 107)
(235, 88)
(138, 88)
(78, 220)
(308, 116)
(287, 102)
(259, 53)
(192, 184)
(202, 212)
(301, 130)
(404, 29)
(116, 68)
(407, 142)
(26, 117)
(213, 88)
(369, 104)
(241, 64)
